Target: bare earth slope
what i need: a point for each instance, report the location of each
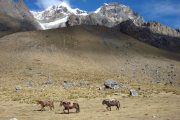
(85, 52)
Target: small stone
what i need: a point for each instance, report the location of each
(67, 84)
(13, 119)
(49, 82)
(18, 88)
(29, 84)
(100, 88)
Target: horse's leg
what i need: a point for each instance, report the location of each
(107, 108)
(68, 110)
(50, 107)
(117, 107)
(42, 108)
(77, 109)
(110, 108)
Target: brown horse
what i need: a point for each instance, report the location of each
(45, 103)
(70, 105)
(111, 102)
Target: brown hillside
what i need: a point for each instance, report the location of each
(84, 52)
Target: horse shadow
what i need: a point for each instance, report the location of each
(65, 113)
(39, 110)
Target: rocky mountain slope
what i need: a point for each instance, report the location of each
(15, 16)
(153, 33)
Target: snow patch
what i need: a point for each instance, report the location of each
(98, 10)
(54, 24)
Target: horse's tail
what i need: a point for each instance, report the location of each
(119, 105)
(78, 108)
(53, 105)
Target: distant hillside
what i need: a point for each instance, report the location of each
(153, 33)
(15, 16)
(85, 52)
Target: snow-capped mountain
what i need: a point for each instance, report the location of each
(55, 16)
(108, 15)
(115, 12)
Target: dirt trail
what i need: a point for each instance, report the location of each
(163, 106)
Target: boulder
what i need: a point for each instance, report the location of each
(133, 92)
(112, 84)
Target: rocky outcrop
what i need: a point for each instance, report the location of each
(108, 15)
(178, 30)
(15, 16)
(152, 33)
(158, 28)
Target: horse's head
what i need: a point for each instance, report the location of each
(61, 103)
(104, 102)
(38, 101)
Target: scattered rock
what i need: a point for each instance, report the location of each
(29, 84)
(82, 83)
(49, 82)
(100, 88)
(18, 88)
(67, 84)
(121, 94)
(13, 119)
(112, 84)
(133, 92)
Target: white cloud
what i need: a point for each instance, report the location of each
(163, 8)
(46, 3)
(165, 11)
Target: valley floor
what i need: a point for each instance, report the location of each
(162, 106)
(34, 66)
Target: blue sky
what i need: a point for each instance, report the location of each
(164, 11)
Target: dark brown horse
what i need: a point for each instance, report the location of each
(45, 103)
(111, 102)
(70, 105)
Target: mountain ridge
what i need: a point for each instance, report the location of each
(108, 15)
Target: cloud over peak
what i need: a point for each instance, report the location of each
(46, 3)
